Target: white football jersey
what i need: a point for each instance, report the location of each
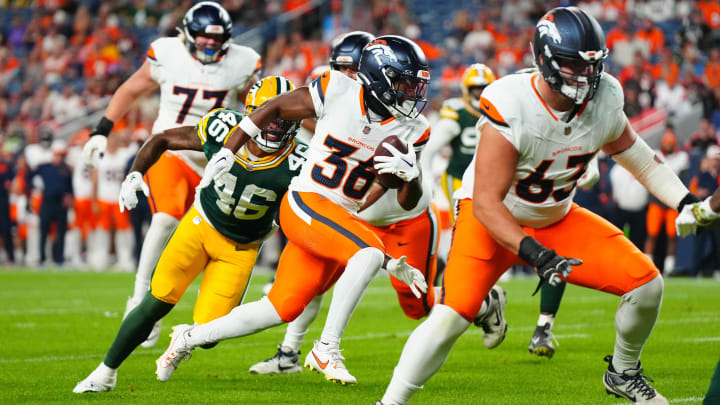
(387, 211)
(341, 151)
(81, 180)
(552, 153)
(189, 89)
(111, 173)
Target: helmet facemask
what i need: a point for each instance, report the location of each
(576, 78)
(276, 135)
(206, 54)
(406, 93)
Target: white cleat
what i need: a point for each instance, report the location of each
(285, 361)
(330, 363)
(632, 385)
(178, 351)
(493, 323)
(101, 379)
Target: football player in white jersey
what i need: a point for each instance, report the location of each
(538, 132)
(412, 233)
(196, 72)
(317, 215)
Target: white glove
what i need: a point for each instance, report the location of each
(693, 215)
(403, 165)
(94, 150)
(408, 275)
(128, 196)
(591, 175)
(218, 165)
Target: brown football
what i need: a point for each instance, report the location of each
(390, 180)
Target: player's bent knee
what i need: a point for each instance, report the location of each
(165, 294)
(649, 294)
(289, 307)
(447, 322)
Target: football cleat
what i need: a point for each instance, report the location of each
(100, 380)
(541, 343)
(330, 363)
(285, 361)
(632, 385)
(178, 351)
(493, 322)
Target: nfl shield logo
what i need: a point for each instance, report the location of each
(366, 130)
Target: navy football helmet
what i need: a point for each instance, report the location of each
(394, 70)
(346, 50)
(569, 48)
(207, 18)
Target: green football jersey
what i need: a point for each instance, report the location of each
(243, 205)
(463, 145)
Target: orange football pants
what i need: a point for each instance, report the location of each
(611, 263)
(85, 219)
(111, 218)
(656, 215)
(172, 185)
(322, 237)
(417, 239)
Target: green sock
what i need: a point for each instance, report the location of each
(136, 328)
(550, 298)
(713, 394)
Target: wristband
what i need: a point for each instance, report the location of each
(104, 126)
(689, 198)
(249, 127)
(531, 251)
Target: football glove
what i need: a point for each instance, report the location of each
(128, 191)
(402, 165)
(408, 275)
(693, 215)
(548, 264)
(94, 149)
(218, 165)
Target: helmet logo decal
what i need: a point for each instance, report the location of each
(214, 29)
(547, 27)
(378, 49)
(423, 74)
(592, 55)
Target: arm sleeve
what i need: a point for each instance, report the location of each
(657, 177)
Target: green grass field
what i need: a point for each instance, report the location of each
(56, 326)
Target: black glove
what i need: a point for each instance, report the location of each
(689, 198)
(548, 264)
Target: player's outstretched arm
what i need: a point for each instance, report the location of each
(632, 153)
(180, 138)
(294, 105)
(149, 153)
(138, 84)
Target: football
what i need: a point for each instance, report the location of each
(389, 180)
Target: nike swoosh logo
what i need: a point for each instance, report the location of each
(281, 368)
(535, 340)
(320, 363)
(487, 107)
(497, 320)
(237, 249)
(403, 244)
(408, 163)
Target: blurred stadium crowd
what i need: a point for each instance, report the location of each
(61, 60)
